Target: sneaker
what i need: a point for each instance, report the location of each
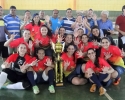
(5, 85)
(36, 89)
(116, 82)
(102, 91)
(51, 89)
(93, 88)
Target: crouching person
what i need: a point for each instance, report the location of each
(15, 69)
(42, 72)
(99, 72)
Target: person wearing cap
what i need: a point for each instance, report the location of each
(12, 23)
(120, 27)
(34, 26)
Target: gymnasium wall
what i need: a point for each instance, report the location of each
(114, 6)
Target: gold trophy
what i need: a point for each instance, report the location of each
(58, 49)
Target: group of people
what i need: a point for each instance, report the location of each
(89, 55)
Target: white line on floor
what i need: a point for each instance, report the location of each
(107, 95)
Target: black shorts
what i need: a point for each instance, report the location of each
(75, 73)
(3, 50)
(14, 77)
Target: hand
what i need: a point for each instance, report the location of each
(66, 64)
(30, 45)
(25, 19)
(110, 31)
(23, 67)
(94, 17)
(88, 73)
(60, 18)
(95, 42)
(123, 53)
(57, 30)
(80, 54)
(6, 65)
(48, 62)
(47, 18)
(85, 20)
(107, 55)
(13, 36)
(76, 34)
(82, 47)
(34, 62)
(76, 41)
(60, 38)
(37, 41)
(105, 69)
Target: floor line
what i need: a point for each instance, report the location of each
(107, 95)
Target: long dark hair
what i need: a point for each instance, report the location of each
(74, 48)
(37, 50)
(49, 33)
(96, 62)
(33, 23)
(98, 38)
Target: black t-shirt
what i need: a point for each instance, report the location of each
(16, 65)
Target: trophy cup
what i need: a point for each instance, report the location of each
(58, 49)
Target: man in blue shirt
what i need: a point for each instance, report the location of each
(105, 23)
(55, 21)
(12, 23)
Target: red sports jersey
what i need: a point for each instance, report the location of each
(41, 65)
(44, 41)
(13, 58)
(114, 50)
(86, 47)
(17, 42)
(34, 30)
(71, 59)
(102, 63)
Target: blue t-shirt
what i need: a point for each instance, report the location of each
(56, 23)
(105, 25)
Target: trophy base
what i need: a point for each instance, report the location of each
(59, 84)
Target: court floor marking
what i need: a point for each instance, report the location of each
(107, 96)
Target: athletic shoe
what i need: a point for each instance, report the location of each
(36, 89)
(93, 88)
(51, 89)
(102, 91)
(116, 82)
